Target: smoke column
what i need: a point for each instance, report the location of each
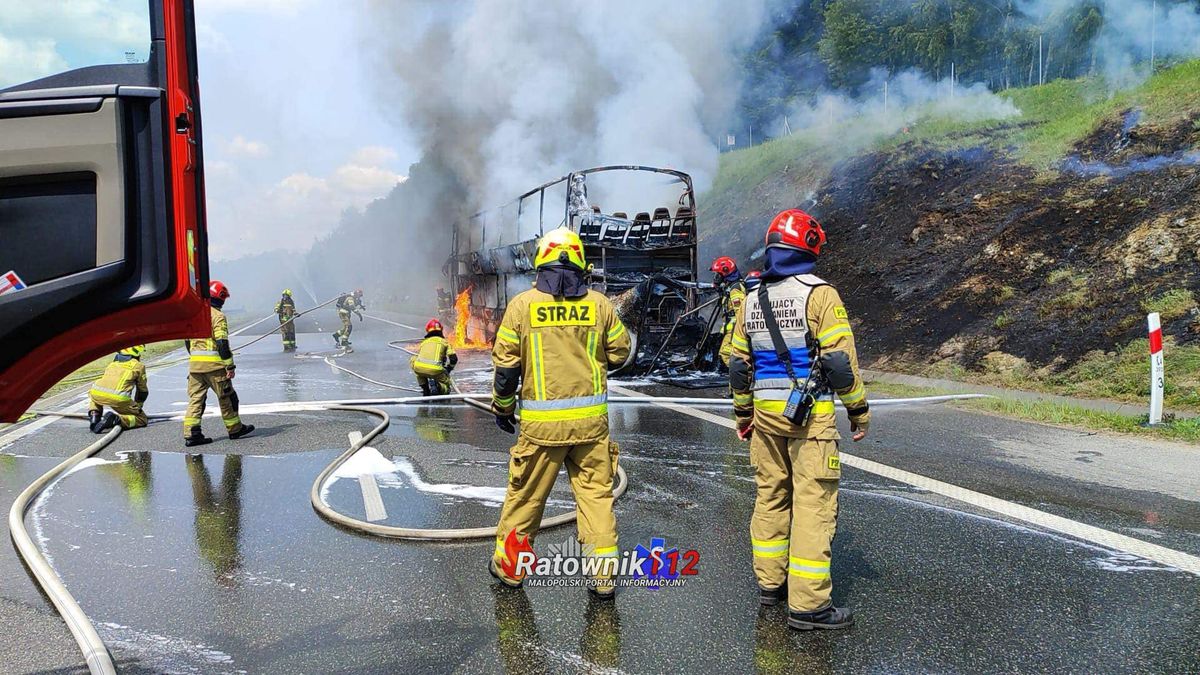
(509, 94)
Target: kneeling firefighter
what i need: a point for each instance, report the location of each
(123, 388)
(211, 367)
(728, 281)
(348, 302)
(555, 344)
(434, 362)
(285, 309)
(792, 349)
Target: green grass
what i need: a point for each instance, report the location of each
(1047, 412)
(1171, 305)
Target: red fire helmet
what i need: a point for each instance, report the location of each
(724, 266)
(433, 325)
(797, 230)
(218, 290)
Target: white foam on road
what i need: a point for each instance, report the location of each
(1106, 538)
(491, 496)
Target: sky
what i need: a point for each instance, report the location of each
(293, 132)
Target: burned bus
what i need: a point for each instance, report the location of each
(638, 225)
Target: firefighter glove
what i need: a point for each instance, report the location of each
(507, 423)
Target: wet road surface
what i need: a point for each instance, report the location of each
(217, 562)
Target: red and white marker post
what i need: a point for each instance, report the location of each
(1156, 368)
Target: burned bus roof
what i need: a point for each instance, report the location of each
(681, 176)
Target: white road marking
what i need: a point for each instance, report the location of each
(372, 500)
(1143, 549)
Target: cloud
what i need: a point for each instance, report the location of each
(43, 38)
(288, 7)
(294, 211)
(240, 146)
(373, 155)
(25, 60)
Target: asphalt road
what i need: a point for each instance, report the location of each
(217, 562)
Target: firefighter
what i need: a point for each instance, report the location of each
(211, 367)
(555, 345)
(728, 281)
(347, 303)
(808, 357)
(434, 361)
(285, 309)
(123, 388)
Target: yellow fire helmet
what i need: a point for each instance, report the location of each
(135, 351)
(287, 291)
(560, 246)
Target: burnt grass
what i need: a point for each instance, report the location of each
(953, 254)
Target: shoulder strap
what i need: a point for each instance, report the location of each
(781, 350)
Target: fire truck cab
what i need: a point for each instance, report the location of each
(102, 237)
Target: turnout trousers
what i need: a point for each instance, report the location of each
(343, 335)
(227, 398)
(288, 332)
(129, 412)
(532, 469)
(795, 516)
(437, 384)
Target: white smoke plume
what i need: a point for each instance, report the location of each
(509, 94)
(887, 104)
(1133, 31)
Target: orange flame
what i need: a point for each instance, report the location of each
(513, 547)
(467, 335)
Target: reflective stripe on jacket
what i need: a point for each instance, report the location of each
(432, 357)
(205, 358)
(809, 312)
(120, 379)
(563, 349)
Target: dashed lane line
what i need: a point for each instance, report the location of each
(372, 500)
(1119, 542)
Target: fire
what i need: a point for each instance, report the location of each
(514, 545)
(467, 334)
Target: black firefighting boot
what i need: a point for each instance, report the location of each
(94, 422)
(242, 430)
(506, 582)
(826, 618)
(196, 437)
(109, 421)
(425, 390)
(337, 339)
(769, 597)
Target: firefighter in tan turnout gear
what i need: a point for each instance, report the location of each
(285, 309)
(347, 303)
(211, 367)
(787, 363)
(555, 345)
(123, 388)
(434, 361)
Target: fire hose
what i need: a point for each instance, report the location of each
(95, 654)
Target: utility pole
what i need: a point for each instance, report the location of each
(1041, 73)
(952, 73)
(885, 97)
(1153, 32)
